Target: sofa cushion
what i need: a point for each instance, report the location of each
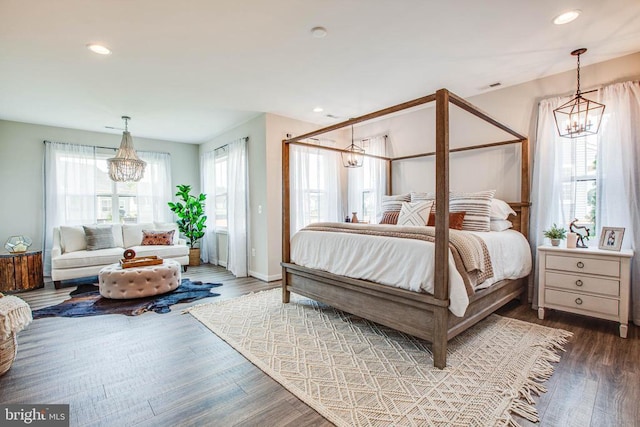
(117, 235)
(72, 238)
(161, 251)
(86, 258)
(168, 226)
(99, 237)
(132, 233)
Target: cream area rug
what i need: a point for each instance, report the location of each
(358, 373)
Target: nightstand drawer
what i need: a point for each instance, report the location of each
(589, 304)
(604, 267)
(578, 283)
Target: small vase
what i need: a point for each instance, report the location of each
(555, 242)
(354, 218)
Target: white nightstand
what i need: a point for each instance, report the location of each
(588, 281)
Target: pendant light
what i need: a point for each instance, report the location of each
(352, 156)
(126, 166)
(580, 116)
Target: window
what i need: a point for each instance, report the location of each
(315, 185)
(579, 186)
(221, 161)
(367, 184)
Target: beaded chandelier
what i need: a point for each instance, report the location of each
(126, 165)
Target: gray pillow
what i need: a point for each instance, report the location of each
(99, 237)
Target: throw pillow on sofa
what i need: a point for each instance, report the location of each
(99, 237)
(160, 238)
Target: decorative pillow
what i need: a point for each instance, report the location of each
(500, 225)
(500, 210)
(159, 238)
(390, 218)
(422, 197)
(414, 213)
(72, 238)
(477, 208)
(393, 203)
(455, 219)
(99, 237)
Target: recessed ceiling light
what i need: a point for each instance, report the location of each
(566, 17)
(318, 110)
(319, 32)
(99, 49)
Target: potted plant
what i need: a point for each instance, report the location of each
(191, 219)
(555, 234)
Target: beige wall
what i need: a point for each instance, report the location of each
(21, 170)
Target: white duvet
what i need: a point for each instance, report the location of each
(406, 263)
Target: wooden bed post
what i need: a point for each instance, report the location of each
(286, 220)
(524, 188)
(441, 279)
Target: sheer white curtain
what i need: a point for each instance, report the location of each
(549, 177)
(367, 184)
(237, 208)
(618, 174)
(69, 181)
(315, 185)
(209, 243)
(618, 191)
(154, 189)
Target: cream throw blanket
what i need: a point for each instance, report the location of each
(469, 252)
(15, 315)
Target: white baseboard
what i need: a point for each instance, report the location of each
(264, 277)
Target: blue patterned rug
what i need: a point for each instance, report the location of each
(87, 301)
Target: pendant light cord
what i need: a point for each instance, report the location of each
(578, 93)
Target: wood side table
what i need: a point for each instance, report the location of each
(21, 271)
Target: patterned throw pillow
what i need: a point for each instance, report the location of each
(477, 208)
(98, 237)
(456, 219)
(157, 238)
(390, 218)
(414, 213)
(392, 204)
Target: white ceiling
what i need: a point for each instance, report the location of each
(188, 70)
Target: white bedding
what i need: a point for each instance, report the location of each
(406, 263)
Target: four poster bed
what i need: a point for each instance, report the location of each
(424, 315)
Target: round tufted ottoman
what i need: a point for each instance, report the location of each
(125, 283)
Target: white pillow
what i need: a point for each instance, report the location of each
(500, 210)
(415, 213)
(132, 233)
(421, 197)
(500, 225)
(72, 238)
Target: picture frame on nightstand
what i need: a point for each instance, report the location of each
(611, 238)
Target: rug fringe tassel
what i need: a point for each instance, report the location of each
(522, 402)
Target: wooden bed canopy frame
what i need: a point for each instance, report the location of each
(420, 314)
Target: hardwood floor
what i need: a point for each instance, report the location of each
(170, 370)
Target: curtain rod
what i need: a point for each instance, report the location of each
(101, 147)
(225, 146)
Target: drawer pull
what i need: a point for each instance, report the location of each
(580, 264)
(579, 301)
(579, 282)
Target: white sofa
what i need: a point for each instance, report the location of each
(70, 258)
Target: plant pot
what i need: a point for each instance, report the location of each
(555, 242)
(194, 257)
